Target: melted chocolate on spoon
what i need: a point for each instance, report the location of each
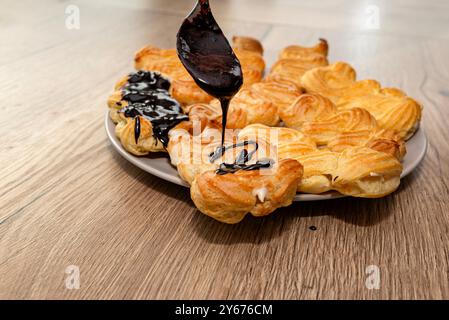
(208, 57)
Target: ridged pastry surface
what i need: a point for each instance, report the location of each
(326, 169)
(364, 172)
(228, 198)
(294, 61)
(299, 52)
(337, 129)
(392, 109)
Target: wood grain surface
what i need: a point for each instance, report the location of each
(67, 198)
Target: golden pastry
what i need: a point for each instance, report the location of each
(136, 136)
(292, 144)
(115, 103)
(250, 76)
(212, 113)
(189, 150)
(294, 69)
(357, 171)
(187, 92)
(260, 103)
(321, 165)
(256, 109)
(253, 66)
(279, 93)
(247, 44)
(207, 114)
(164, 61)
(245, 108)
(319, 118)
(229, 197)
(391, 107)
(299, 52)
(381, 140)
(307, 108)
(274, 135)
(294, 61)
(257, 104)
(351, 120)
(364, 172)
(330, 81)
(390, 146)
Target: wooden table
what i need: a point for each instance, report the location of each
(68, 199)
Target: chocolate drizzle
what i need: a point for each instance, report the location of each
(241, 160)
(147, 81)
(137, 129)
(147, 95)
(233, 167)
(208, 57)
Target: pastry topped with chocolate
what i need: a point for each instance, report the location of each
(144, 111)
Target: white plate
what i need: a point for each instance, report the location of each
(159, 165)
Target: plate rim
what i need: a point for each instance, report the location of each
(110, 132)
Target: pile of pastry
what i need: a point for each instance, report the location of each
(307, 126)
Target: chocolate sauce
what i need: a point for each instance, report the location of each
(147, 81)
(241, 160)
(147, 95)
(137, 129)
(221, 150)
(208, 57)
(234, 167)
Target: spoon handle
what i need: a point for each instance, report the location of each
(205, 7)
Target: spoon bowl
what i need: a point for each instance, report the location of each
(207, 55)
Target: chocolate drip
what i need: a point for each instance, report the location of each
(222, 149)
(208, 57)
(241, 160)
(224, 102)
(147, 95)
(163, 125)
(233, 167)
(137, 129)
